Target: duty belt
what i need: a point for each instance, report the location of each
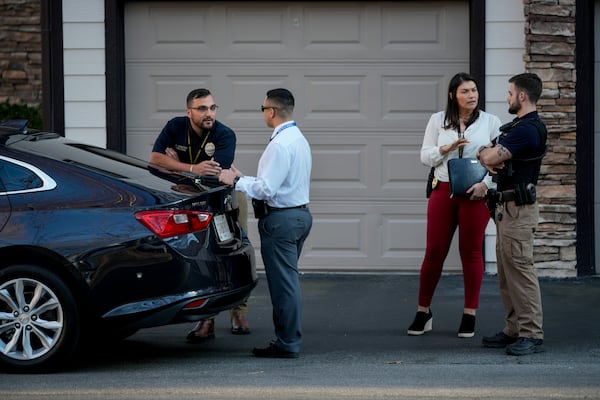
(506, 196)
(284, 208)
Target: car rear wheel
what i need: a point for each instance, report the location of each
(39, 321)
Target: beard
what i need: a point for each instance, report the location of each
(514, 108)
(207, 124)
(202, 125)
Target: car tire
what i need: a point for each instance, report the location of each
(39, 320)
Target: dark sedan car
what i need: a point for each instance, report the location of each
(94, 240)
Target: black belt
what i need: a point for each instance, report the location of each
(507, 195)
(284, 208)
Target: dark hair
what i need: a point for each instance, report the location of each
(452, 119)
(529, 83)
(197, 94)
(283, 99)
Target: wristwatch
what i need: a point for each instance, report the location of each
(235, 181)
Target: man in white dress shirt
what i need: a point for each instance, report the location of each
(280, 194)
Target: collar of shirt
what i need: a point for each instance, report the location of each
(280, 128)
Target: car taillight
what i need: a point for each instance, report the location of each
(194, 304)
(167, 223)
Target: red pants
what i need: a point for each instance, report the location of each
(444, 214)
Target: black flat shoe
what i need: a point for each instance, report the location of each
(272, 351)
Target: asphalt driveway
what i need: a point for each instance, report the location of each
(355, 347)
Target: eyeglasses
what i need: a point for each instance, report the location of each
(204, 109)
(263, 108)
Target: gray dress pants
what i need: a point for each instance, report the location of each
(282, 235)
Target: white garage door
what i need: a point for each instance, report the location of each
(366, 78)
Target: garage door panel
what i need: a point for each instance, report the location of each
(402, 174)
(341, 164)
(174, 29)
(264, 27)
(407, 94)
(349, 32)
(340, 236)
(424, 30)
(327, 95)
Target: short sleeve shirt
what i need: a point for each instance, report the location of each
(191, 148)
(526, 144)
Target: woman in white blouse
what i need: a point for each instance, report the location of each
(463, 127)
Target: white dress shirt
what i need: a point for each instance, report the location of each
(283, 175)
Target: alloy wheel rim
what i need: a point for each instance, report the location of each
(31, 319)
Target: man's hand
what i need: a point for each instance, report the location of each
(171, 153)
(227, 176)
(208, 167)
(492, 158)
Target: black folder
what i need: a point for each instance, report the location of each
(464, 173)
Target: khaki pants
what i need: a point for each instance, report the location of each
(241, 309)
(517, 278)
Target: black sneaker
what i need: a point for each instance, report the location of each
(497, 341)
(524, 346)
(273, 351)
(423, 323)
(467, 326)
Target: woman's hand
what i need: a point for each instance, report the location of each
(457, 144)
(478, 191)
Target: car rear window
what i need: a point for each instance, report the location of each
(16, 178)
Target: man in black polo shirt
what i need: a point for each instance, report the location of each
(515, 160)
(196, 143)
(201, 145)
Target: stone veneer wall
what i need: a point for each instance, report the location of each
(550, 53)
(20, 52)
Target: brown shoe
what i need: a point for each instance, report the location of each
(204, 330)
(239, 325)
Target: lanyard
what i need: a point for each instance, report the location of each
(193, 160)
(282, 128)
(460, 149)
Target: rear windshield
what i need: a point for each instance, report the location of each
(107, 162)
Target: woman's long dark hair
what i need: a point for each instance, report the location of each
(452, 119)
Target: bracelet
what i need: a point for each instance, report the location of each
(191, 168)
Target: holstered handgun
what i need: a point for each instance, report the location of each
(493, 198)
